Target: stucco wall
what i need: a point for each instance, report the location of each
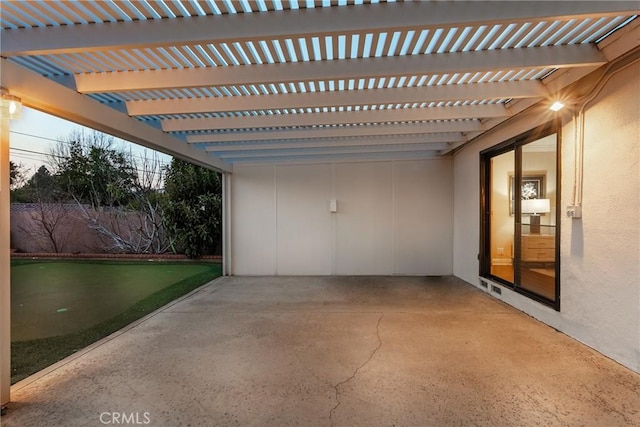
(600, 253)
(393, 218)
(70, 233)
(65, 228)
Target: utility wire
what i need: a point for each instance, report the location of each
(69, 142)
(62, 157)
(30, 152)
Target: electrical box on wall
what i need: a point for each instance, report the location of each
(333, 206)
(574, 211)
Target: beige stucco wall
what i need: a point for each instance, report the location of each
(69, 231)
(600, 253)
(35, 226)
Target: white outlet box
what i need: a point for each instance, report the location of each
(500, 251)
(574, 211)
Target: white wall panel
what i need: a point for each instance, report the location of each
(423, 219)
(392, 218)
(254, 218)
(365, 218)
(304, 223)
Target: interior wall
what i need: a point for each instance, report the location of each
(502, 232)
(393, 217)
(503, 166)
(544, 161)
(599, 253)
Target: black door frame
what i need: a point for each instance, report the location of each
(515, 144)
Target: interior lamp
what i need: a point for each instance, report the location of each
(11, 105)
(535, 207)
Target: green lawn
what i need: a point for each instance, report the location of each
(59, 307)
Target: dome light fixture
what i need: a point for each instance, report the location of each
(11, 105)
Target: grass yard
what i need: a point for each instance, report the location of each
(60, 307)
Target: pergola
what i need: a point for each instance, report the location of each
(223, 83)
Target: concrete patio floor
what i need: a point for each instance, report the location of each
(333, 351)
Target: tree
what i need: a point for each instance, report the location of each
(16, 175)
(137, 227)
(50, 225)
(193, 213)
(93, 169)
(43, 180)
(117, 195)
(16, 182)
(42, 185)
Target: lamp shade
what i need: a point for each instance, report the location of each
(536, 206)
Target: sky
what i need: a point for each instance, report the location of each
(33, 135)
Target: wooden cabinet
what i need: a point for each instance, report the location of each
(538, 247)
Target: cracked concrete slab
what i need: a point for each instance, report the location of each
(342, 383)
(334, 351)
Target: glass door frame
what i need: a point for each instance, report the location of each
(484, 257)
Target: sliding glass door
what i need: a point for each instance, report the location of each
(520, 194)
(502, 248)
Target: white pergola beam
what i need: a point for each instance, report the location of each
(393, 148)
(461, 62)
(472, 91)
(43, 94)
(295, 23)
(337, 158)
(444, 139)
(342, 117)
(332, 132)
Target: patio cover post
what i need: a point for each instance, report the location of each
(5, 290)
(226, 224)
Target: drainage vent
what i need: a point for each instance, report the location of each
(483, 284)
(496, 289)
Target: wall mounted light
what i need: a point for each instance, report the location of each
(556, 106)
(11, 105)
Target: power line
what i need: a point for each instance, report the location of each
(62, 141)
(25, 157)
(61, 157)
(65, 157)
(31, 152)
(34, 136)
